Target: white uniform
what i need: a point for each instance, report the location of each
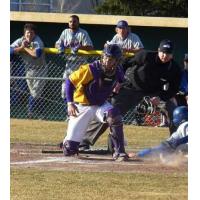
(181, 132)
(34, 67)
(69, 39)
(132, 41)
(77, 126)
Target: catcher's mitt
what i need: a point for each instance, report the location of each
(148, 112)
(145, 106)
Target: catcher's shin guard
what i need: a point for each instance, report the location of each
(114, 120)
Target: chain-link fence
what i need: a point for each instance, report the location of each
(49, 104)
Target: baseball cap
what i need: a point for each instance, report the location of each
(166, 46)
(122, 24)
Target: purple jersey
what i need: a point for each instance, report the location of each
(90, 85)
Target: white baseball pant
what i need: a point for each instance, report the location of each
(77, 126)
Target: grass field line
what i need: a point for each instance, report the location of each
(75, 160)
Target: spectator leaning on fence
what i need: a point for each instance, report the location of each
(73, 38)
(30, 48)
(147, 73)
(129, 42)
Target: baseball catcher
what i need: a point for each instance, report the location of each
(87, 90)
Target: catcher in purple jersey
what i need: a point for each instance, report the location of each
(87, 90)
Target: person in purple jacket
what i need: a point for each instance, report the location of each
(87, 91)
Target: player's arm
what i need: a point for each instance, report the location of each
(36, 49)
(60, 42)
(86, 43)
(79, 77)
(35, 53)
(133, 50)
(71, 107)
(137, 44)
(18, 46)
(136, 60)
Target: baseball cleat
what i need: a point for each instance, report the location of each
(69, 152)
(120, 157)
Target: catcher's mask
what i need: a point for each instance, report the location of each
(145, 106)
(111, 58)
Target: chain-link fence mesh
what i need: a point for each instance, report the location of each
(49, 104)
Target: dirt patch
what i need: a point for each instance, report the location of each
(30, 155)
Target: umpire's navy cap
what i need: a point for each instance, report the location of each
(166, 46)
(122, 24)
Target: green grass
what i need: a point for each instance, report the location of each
(37, 131)
(45, 132)
(35, 184)
(32, 183)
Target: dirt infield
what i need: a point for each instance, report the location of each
(30, 155)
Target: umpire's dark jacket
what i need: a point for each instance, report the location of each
(146, 72)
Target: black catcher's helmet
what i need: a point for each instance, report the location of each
(111, 58)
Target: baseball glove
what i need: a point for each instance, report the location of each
(145, 106)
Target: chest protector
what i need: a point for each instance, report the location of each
(99, 89)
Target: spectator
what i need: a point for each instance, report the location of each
(178, 140)
(87, 90)
(148, 73)
(30, 48)
(182, 96)
(74, 38)
(129, 42)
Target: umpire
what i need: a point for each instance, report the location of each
(148, 73)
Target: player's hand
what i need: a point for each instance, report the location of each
(72, 110)
(25, 43)
(61, 50)
(75, 49)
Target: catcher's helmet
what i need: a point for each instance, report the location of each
(112, 50)
(180, 115)
(111, 58)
